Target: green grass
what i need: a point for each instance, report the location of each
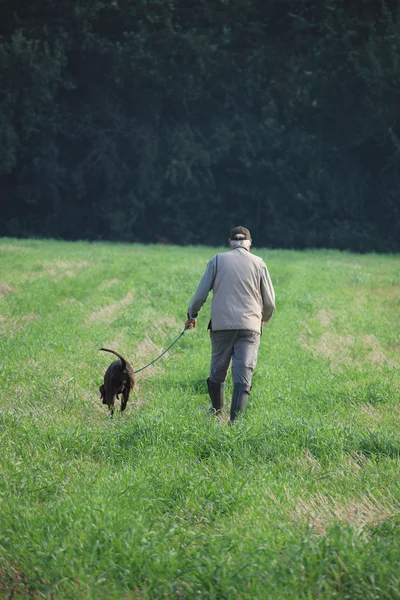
(299, 500)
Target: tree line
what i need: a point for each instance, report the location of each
(173, 120)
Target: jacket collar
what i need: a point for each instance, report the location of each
(240, 248)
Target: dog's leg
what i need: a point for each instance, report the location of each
(111, 404)
(125, 398)
(102, 394)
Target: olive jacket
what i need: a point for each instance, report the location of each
(243, 295)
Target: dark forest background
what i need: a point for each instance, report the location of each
(173, 120)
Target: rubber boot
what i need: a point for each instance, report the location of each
(239, 399)
(216, 392)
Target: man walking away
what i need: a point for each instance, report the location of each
(243, 300)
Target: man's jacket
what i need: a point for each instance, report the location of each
(243, 295)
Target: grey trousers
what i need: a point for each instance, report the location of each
(240, 346)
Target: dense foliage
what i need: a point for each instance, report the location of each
(173, 120)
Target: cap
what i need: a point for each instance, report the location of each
(240, 233)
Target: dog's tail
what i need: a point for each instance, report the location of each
(121, 358)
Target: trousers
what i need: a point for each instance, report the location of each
(239, 346)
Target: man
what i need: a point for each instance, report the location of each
(243, 300)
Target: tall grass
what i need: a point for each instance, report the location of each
(299, 499)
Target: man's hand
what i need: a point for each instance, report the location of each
(190, 324)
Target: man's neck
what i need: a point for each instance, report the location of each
(240, 248)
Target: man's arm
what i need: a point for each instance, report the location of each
(205, 286)
(267, 294)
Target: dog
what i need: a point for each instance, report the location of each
(119, 378)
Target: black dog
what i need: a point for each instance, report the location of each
(118, 379)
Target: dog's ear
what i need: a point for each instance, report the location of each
(102, 391)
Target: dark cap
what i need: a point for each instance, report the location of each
(240, 233)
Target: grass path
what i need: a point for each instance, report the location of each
(300, 500)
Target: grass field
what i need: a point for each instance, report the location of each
(299, 499)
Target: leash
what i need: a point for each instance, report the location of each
(170, 346)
